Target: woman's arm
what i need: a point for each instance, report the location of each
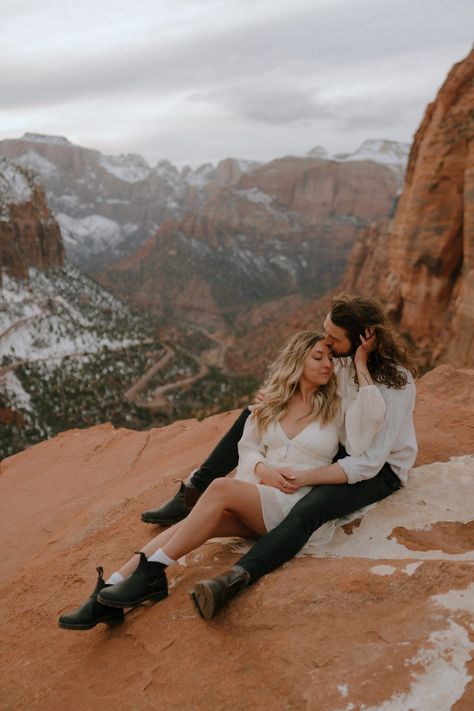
(279, 477)
(251, 451)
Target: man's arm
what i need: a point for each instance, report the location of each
(400, 404)
(332, 474)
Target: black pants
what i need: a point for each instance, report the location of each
(323, 503)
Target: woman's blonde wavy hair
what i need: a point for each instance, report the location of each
(282, 380)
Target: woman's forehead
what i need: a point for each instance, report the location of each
(320, 347)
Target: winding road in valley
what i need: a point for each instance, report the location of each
(158, 401)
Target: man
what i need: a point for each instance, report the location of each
(348, 484)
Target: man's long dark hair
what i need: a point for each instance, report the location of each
(389, 359)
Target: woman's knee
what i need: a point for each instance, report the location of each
(219, 488)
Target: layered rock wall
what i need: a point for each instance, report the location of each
(422, 264)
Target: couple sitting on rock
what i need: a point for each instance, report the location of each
(331, 433)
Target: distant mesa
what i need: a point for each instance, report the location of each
(45, 138)
(392, 153)
(319, 152)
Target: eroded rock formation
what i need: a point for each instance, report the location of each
(422, 263)
(29, 234)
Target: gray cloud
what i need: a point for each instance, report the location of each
(334, 35)
(218, 74)
(267, 104)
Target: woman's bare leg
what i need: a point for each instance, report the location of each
(227, 508)
(239, 498)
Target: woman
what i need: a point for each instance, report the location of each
(296, 426)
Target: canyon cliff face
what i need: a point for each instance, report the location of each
(284, 228)
(421, 264)
(29, 234)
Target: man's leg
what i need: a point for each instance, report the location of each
(222, 460)
(321, 504)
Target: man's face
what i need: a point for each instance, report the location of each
(336, 338)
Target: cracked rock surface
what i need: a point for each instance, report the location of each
(382, 618)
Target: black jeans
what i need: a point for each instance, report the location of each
(224, 457)
(321, 504)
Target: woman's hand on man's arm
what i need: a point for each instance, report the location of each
(332, 474)
(281, 478)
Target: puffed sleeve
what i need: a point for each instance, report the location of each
(251, 451)
(363, 418)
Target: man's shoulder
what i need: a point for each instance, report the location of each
(398, 394)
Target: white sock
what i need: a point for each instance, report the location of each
(160, 557)
(114, 579)
(188, 480)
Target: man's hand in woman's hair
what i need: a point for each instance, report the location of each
(367, 344)
(279, 477)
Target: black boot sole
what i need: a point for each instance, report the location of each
(163, 521)
(104, 620)
(152, 597)
(204, 600)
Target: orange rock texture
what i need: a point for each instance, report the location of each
(422, 263)
(382, 618)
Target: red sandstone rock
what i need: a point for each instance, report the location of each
(384, 617)
(284, 228)
(29, 234)
(422, 264)
(323, 189)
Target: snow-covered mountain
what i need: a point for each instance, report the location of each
(68, 351)
(393, 154)
(107, 206)
(61, 313)
(16, 186)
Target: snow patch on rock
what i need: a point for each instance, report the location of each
(38, 164)
(15, 186)
(131, 168)
(379, 150)
(435, 492)
(256, 196)
(97, 231)
(44, 138)
(19, 398)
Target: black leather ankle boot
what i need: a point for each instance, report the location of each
(210, 596)
(147, 582)
(175, 509)
(92, 612)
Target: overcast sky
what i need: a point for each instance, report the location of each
(199, 80)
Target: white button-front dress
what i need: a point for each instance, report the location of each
(361, 416)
